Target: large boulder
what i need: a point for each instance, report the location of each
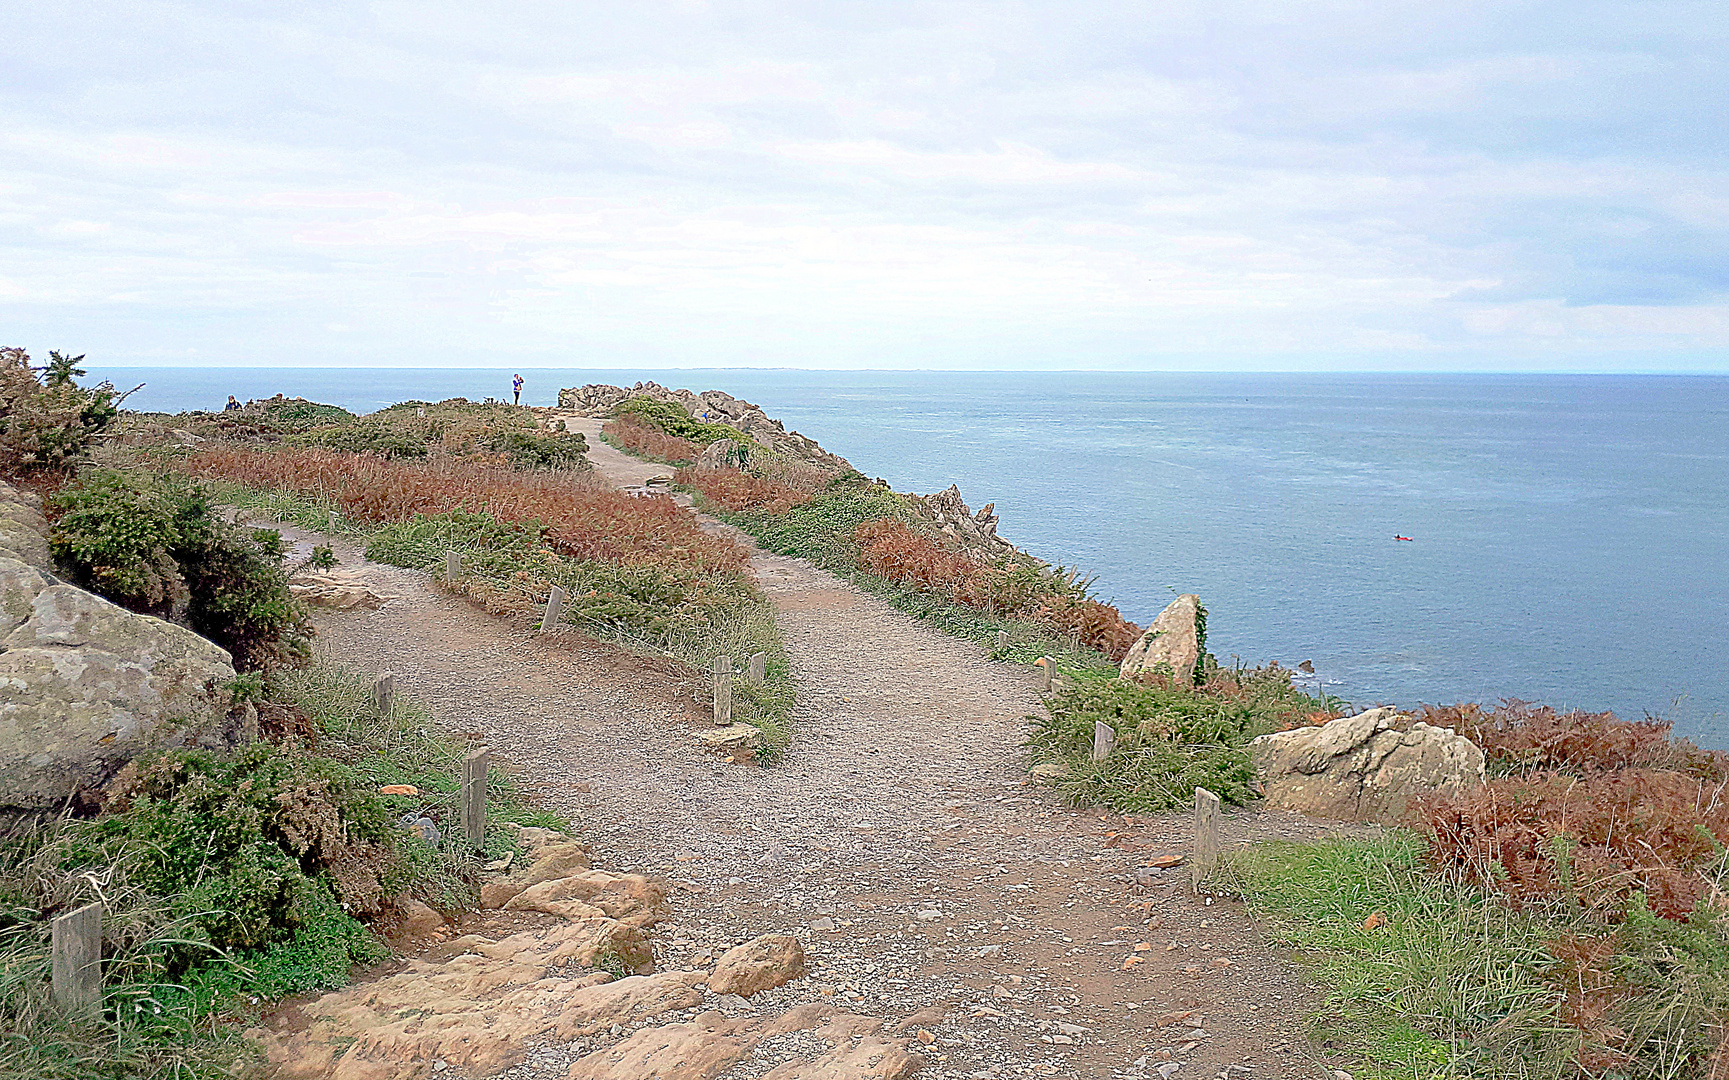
(22, 529)
(86, 685)
(1174, 641)
(1368, 767)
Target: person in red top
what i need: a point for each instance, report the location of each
(516, 385)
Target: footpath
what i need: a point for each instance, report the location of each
(956, 921)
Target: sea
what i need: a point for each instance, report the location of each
(1568, 534)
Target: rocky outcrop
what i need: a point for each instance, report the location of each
(1368, 767)
(342, 590)
(86, 685)
(953, 518)
(599, 400)
(1174, 641)
(762, 964)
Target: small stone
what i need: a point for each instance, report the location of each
(929, 915)
(762, 964)
(926, 1037)
(399, 789)
(1168, 1069)
(824, 923)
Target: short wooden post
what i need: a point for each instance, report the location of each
(330, 531)
(554, 605)
(1075, 642)
(1104, 740)
(384, 693)
(77, 966)
(1206, 854)
(1002, 640)
(474, 768)
(758, 667)
(1050, 667)
(722, 691)
(452, 566)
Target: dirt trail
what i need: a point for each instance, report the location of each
(898, 838)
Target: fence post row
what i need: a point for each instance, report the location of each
(722, 691)
(384, 693)
(77, 962)
(554, 605)
(473, 807)
(758, 667)
(1206, 838)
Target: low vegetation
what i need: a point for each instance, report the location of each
(1566, 919)
(48, 421)
(232, 880)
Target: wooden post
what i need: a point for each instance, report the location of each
(1075, 642)
(1104, 740)
(474, 768)
(758, 667)
(77, 945)
(452, 566)
(330, 531)
(722, 691)
(1206, 854)
(1002, 640)
(1050, 667)
(384, 693)
(554, 605)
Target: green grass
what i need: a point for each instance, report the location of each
(1452, 983)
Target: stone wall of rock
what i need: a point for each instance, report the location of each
(1368, 767)
(1172, 642)
(86, 685)
(597, 399)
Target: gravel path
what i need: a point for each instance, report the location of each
(898, 838)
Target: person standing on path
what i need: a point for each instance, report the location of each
(516, 386)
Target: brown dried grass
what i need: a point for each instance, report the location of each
(583, 518)
(736, 491)
(649, 441)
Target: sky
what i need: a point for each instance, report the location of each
(1208, 185)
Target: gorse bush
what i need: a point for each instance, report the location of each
(365, 436)
(52, 425)
(673, 420)
(1170, 739)
(529, 451)
(156, 544)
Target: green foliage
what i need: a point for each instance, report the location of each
(822, 529)
(53, 425)
(62, 370)
(1169, 740)
(675, 421)
(322, 557)
(1445, 982)
(156, 544)
(531, 451)
(365, 436)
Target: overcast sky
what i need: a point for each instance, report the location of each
(1067, 185)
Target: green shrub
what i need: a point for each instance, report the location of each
(1169, 741)
(678, 423)
(156, 544)
(367, 436)
(53, 425)
(530, 451)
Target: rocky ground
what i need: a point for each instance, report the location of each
(994, 931)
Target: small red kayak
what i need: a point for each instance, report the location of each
(1404, 538)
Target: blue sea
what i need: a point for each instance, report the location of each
(1570, 533)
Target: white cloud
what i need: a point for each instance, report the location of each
(1030, 185)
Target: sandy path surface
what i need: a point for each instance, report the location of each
(898, 838)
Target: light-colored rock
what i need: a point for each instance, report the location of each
(1363, 768)
(23, 532)
(730, 738)
(953, 518)
(418, 920)
(1173, 642)
(86, 685)
(843, 1046)
(337, 589)
(761, 964)
(630, 898)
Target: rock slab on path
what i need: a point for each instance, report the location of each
(1365, 767)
